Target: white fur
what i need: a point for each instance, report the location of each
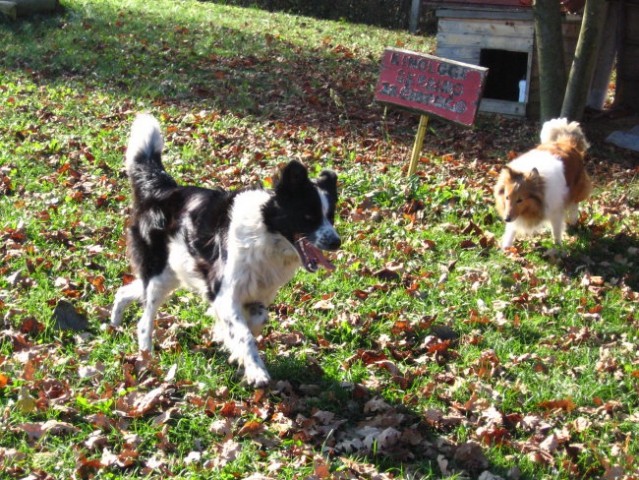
(145, 137)
(259, 262)
(124, 297)
(551, 169)
(326, 229)
(559, 128)
(181, 261)
(157, 290)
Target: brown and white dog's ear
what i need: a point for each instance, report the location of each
(508, 171)
(513, 174)
(534, 174)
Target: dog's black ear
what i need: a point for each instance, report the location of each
(327, 181)
(292, 179)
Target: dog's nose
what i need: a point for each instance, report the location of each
(508, 219)
(333, 243)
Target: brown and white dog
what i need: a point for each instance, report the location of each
(545, 184)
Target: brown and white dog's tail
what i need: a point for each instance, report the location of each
(567, 141)
(559, 130)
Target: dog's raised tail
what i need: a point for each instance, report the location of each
(560, 130)
(143, 159)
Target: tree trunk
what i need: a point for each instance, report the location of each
(627, 94)
(585, 61)
(413, 22)
(606, 57)
(550, 55)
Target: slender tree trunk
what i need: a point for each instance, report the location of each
(627, 94)
(585, 61)
(550, 55)
(414, 16)
(606, 57)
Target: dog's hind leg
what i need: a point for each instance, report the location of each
(572, 214)
(156, 291)
(558, 225)
(233, 331)
(126, 295)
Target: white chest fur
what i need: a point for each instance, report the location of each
(259, 262)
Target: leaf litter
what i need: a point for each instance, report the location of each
(346, 429)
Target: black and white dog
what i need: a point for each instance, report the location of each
(235, 248)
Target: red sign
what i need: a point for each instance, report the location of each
(431, 85)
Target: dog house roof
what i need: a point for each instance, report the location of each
(481, 3)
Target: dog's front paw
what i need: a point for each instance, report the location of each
(145, 338)
(256, 377)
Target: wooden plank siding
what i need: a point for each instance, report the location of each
(522, 44)
(463, 32)
(475, 26)
(524, 4)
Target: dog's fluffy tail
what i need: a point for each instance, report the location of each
(143, 160)
(560, 130)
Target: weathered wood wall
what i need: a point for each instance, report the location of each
(463, 32)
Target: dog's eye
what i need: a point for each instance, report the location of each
(519, 200)
(501, 191)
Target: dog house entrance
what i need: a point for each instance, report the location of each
(506, 71)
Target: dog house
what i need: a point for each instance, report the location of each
(499, 35)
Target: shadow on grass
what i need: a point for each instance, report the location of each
(143, 56)
(347, 419)
(389, 14)
(612, 257)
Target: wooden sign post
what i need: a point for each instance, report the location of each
(430, 85)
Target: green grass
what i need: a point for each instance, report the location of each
(426, 336)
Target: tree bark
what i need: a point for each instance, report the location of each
(550, 55)
(606, 57)
(413, 22)
(585, 61)
(627, 94)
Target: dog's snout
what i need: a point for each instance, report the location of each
(333, 243)
(326, 238)
(508, 218)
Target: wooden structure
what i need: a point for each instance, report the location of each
(16, 8)
(429, 85)
(498, 35)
